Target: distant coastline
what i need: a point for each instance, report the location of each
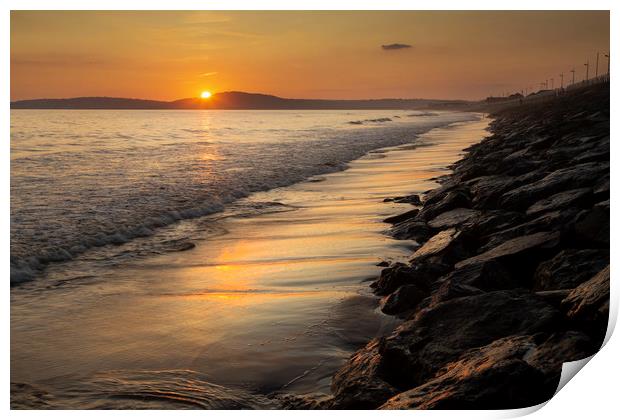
(236, 100)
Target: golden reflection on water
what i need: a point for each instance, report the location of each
(276, 296)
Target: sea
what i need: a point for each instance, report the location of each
(206, 259)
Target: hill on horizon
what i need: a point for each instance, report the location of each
(234, 100)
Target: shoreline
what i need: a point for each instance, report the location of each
(491, 294)
(512, 276)
(284, 284)
(29, 266)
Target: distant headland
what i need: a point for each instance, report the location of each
(235, 100)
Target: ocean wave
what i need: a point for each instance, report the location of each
(65, 205)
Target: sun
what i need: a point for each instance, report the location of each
(205, 94)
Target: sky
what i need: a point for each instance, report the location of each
(168, 55)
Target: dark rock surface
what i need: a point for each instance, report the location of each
(358, 384)
(569, 268)
(492, 377)
(405, 298)
(402, 217)
(512, 275)
(588, 304)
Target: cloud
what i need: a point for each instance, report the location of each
(211, 73)
(389, 47)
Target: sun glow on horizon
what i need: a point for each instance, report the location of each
(205, 94)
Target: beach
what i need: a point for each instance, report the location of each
(271, 300)
(512, 279)
(421, 276)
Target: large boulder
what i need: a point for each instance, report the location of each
(569, 268)
(358, 384)
(454, 218)
(414, 229)
(559, 348)
(402, 217)
(487, 275)
(487, 191)
(592, 226)
(576, 176)
(405, 298)
(561, 221)
(588, 304)
(439, 334)
(446, 247)
(519, 255)
(561, 200)
(452, 200)
(399, 274)
(492, 377)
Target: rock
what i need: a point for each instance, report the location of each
(559, 348)
(402, 217)
(569, 268)
(357, 385)
(412, 199)
(445, 247)
(601, 191)
(554, 297)
(470, 170)
(487, 275)
(560, 221)
(560, 200)
(437, 194)
(588, 304)
(391, 278)
(383, 264)
(304, 402)
(417, 230)
(487, 191)
(454, 218)
(592, 226)
(492, 221)
(448, 290)
(450, 201)
(440, 334)
(405, 298)
(489, 378)
(576, 176)
(519, 255)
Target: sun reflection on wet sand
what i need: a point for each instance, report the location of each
(278, 295)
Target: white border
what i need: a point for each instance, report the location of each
(593, 394)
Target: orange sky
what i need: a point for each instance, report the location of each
(170, 55)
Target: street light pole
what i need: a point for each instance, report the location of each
(587, 64)
(596, 71)
(573, 71)
(607, 55)
(561, 80)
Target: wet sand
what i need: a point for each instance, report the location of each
(275, 302)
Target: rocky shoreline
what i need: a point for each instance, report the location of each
(511, 278)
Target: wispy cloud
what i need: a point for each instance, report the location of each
(211, 73)
(397, 46)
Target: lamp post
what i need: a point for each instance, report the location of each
(587, 64)
(573, 71)
(596, 71)
(561, 80)
(607, 55)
